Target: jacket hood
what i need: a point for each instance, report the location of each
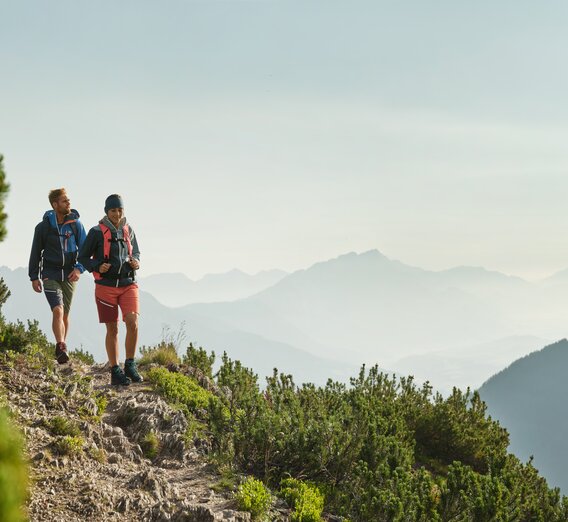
(106, 221)
(51, 217)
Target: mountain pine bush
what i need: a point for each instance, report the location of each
(4, 293)
(13, 472)
(198, 358)
(17, 338)
(379, 449)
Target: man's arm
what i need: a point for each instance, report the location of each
(88, 249)
(35, 258)
(78, 268)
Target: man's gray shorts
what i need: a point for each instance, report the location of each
(59, 293)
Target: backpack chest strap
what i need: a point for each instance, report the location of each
(108, 239)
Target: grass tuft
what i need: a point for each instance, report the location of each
(150, 445)
(163, 354)
(61, 426)
(69, 445)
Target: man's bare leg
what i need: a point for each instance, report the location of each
(58, 324)
(66, 325)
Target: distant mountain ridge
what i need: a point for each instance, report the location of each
(176, 289)
(352, 309)
(368, 304)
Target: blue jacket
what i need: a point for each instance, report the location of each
(92, 256)
(55, 247)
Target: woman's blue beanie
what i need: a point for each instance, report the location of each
(113, 201)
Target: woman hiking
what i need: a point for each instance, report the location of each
(111, 253)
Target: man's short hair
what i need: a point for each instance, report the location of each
(55, 194)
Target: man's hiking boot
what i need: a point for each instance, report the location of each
(61, 353)
(117, 377)
(131, 371)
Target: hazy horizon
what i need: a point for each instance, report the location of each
(311, 264)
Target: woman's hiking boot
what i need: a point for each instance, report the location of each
(131, 371)
(117, 377)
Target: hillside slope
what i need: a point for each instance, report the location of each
(378, 450)
(529, 398)
(102, 472)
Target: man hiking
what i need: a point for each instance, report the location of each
(53, 265)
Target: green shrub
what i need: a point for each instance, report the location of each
(59, 425)
(163, 354)
(253, 496)
(306, 500)
(195, 430)
(236, 422)
(13, 472)
(18, 338)
(198, 358)
(82, 355)
(150, 445)
(180, 389)
(458, 429)
(69, 445)
(4, 293)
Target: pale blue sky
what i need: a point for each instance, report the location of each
(274, 134)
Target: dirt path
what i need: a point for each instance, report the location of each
(107, 477)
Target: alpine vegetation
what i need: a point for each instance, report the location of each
(377, 449)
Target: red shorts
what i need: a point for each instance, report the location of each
(109, 298)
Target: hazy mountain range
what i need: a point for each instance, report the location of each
(177, 289)
(529, 398)
(455, 327)
(452, 327)
(158, 321)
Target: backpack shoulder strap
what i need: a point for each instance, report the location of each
(126, 236)
(73, 225)
(107, 238)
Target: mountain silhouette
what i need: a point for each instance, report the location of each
(529, 399)
(375, 309)
(177, 289)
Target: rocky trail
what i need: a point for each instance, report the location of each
(100, 472)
